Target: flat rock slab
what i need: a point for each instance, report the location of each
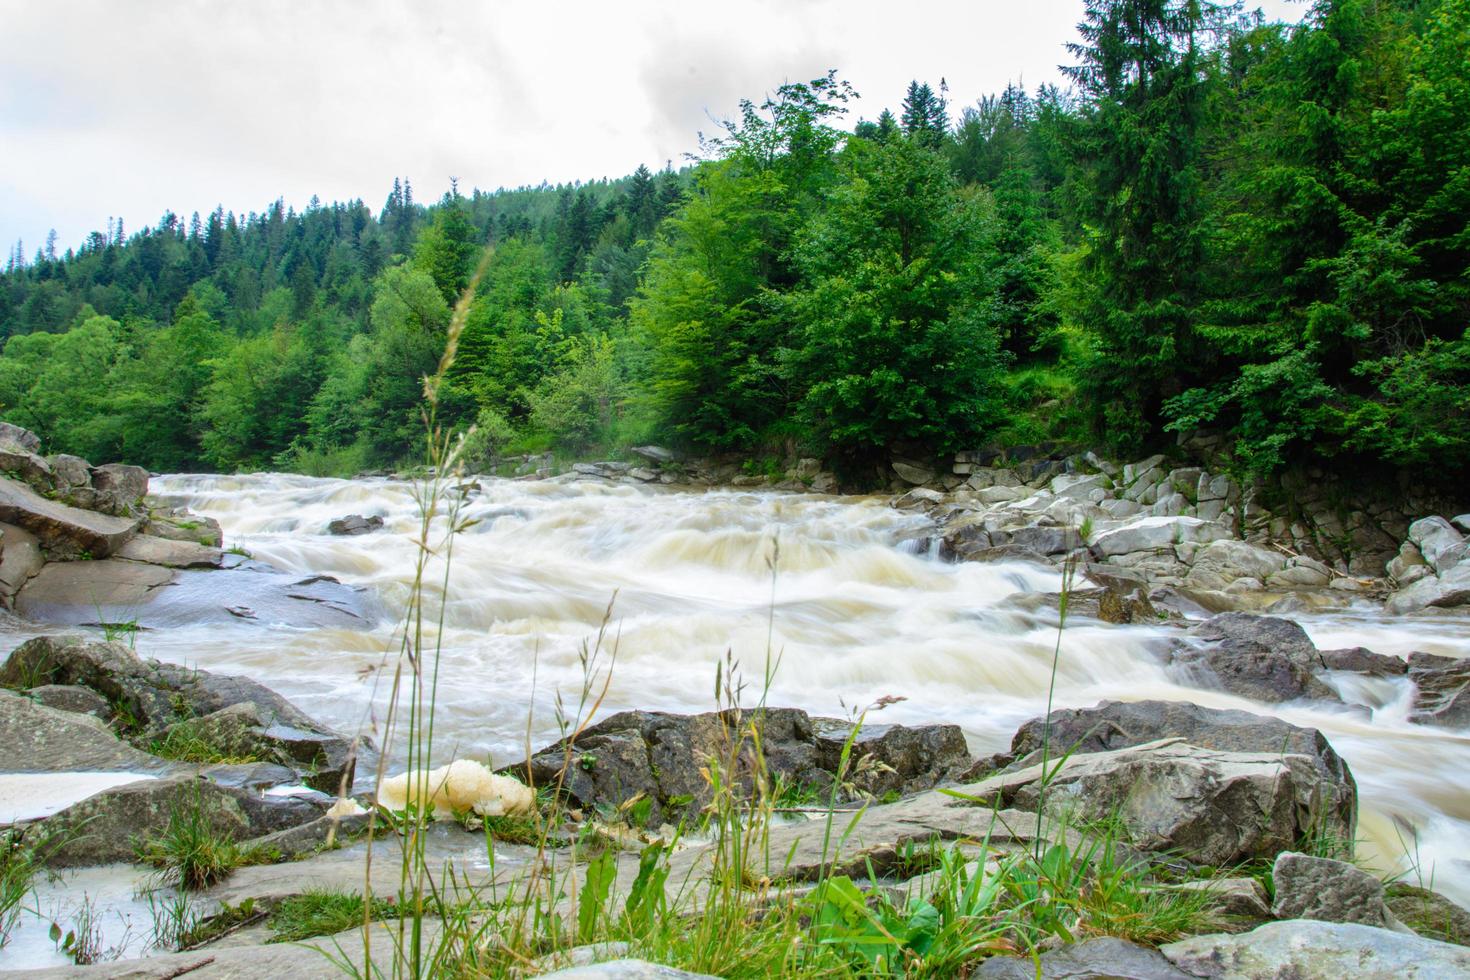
(41, 739)
(174, 554)
(626, 970)
(117, 591)
(1304, 949)
(63, 528)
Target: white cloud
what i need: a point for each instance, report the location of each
(133, 108)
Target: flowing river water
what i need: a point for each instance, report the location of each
(853, 614)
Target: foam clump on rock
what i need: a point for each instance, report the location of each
(462, 787)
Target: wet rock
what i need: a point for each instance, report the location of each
(644, 474)
(154, 597)
(306, 839)
(1104, 958)
(60, 529)
(660, 756)
(1261, 657)
(69, 697)
(110, 825)
(13, 436)
(1360, 660)
(154, 550)
(1304, 949)
(354, 524)
(1309, 887)
(918, 497)
(1408, 566)
(248, 775)
(1442, 690)
(606, 470)
(1108, 605)
(40, 738)
(127, 485)
(1301, 572)
(1428, 913)
(1155, 534)
(1172, 796)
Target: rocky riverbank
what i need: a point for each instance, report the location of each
(1254, 813)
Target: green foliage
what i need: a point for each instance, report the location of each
(319, 912)
(191, 853)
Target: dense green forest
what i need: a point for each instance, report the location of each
(1219, 225)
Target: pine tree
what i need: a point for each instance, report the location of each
(925, 115)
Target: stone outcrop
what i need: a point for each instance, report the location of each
(61, 529)
(1104, 958)
(1261, 657)
(354, 524)
(149, 700)
(658, 756)
(1303, 949)
(1442, 690)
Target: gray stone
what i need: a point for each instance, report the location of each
(354, 524)
(249, 775)
(23, 439)
(1309, 887)
(1103, 958)
(1442, 690)
(69, 471)
(69, 697)
(61, 529)
(644, 474)
(1155, 534)
(660, 755)
(1240, 899)
(1461, 522)
(171, 554)
(186, 527)
(1433, 591)
(918, 497)
(127, 484)
(1170, 505)
(1133, 472)
(912, 472)
(20, 560)
(655, 454)
(1113, 725)
(1262, 657)
(38, 738)
(1301, 572)
(1305, 949)
(294, 843)
(1172, 796)
(1076, 486)
(109, 825)
(1441, 545)
(1408, 566)
(149, 697)
(1217, 564)
(1360, 660)
(27, 468)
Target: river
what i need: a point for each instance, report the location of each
(850, 613)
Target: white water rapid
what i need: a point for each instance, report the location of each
(853, 616)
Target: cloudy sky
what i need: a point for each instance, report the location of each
(134, 107)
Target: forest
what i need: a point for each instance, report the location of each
(1217, 225)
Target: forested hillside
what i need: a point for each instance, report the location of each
(1219, 225)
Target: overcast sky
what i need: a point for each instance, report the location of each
(134, 107)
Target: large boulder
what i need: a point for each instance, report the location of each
(153, 550)
(151, 699)
(1265, 658)
(1208, 806)
(1445, 591)
(63, 531)
(1442, 690)
(1155, 534)
(14, 437)
(110, 826)
(1442, 546)
(1308, 887)
(354, 524)
(659, 756)
(1222, 562)
(1113, 725)
(20, 560)
(1304, 949)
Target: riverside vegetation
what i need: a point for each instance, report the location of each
(1223, 225)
